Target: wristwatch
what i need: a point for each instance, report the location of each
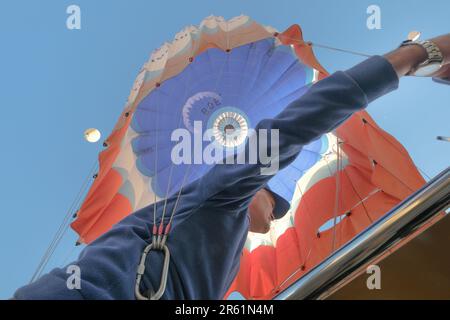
(433, 62)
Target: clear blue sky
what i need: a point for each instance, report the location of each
(56, 82)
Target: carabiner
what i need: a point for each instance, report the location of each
(141, 269)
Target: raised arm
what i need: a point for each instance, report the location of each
(325, 106)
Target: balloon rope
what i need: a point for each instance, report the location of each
(154, 231)
(161, 225)
(162, 231)
(186, 92)
(361, 201)
(301, 268)
(315, 44)
(341, 165)
(62, 227)
(356, 53)
(353, 187)
(303, 198)
(171, 167)
(159, 235)
(337, 190)
(169, 224)
(336, 174)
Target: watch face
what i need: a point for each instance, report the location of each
(428, 69)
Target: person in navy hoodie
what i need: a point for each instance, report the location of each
(216, 212)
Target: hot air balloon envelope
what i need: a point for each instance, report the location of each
(229, 75)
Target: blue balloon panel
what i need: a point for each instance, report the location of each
(249, 83)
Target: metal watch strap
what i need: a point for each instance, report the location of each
(433, 52)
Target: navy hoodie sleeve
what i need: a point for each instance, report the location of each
(108, 264)
(321, 109)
